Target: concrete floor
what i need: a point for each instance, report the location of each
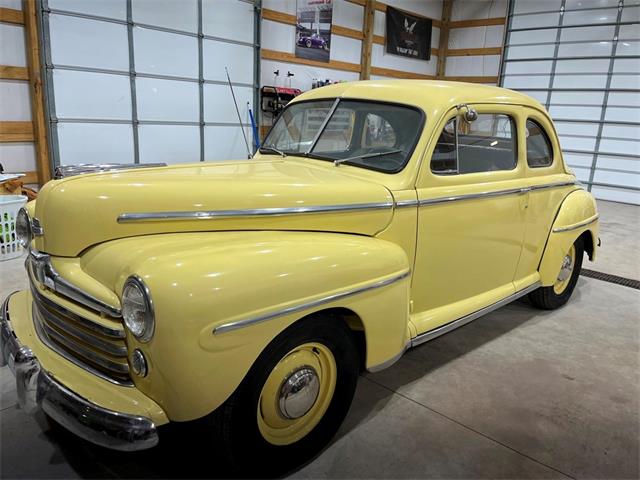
(519, 393)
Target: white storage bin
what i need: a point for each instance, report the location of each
(9, 206)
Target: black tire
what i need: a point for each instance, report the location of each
(308, 43)
(234, 424)
(546, 298)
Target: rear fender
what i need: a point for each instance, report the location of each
(578, 215)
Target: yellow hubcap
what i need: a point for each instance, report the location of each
(564, 277)
(297, 394)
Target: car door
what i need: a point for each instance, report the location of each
(471, 216)
(548, 185)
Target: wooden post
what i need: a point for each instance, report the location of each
(43, 165)
(367, 40)
(443, 47)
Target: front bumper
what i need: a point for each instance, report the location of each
(38, 389)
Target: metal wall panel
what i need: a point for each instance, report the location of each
(138, 81)
(581, 60)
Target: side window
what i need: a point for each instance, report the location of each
(539, 151)
(487, 144)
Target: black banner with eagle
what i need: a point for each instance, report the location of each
(408, 35)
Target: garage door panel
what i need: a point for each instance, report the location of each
(102, 8)
(165, 53)
(571, 128)
(237, 58)
(95, 143)
(175, 14)
(230, 19)
(224, 143)
(604, 32)
(167, 100)
(108, 98)
(88, 43)
(219, 106)
(169, 144)
(616, 194)
(580, 81)
(617, 178)
(627, 164)
(586, 17)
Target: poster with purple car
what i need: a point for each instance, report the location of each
(313, 29)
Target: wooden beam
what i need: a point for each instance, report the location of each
(11, 15)
(16, 132)
(291, 58)
(388, 72)
(347, 32)
(289, 19)
(8, 72)
(480, 22)
(380, 40)
(367, 42)
(43, 164)
(275, 16)
(447, 7)
(473, 79)
(464, 52)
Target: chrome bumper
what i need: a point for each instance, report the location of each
(38, 389)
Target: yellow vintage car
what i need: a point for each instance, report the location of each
(248, 295)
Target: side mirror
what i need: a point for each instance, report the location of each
(468, 113)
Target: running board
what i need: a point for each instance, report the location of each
(436, 332)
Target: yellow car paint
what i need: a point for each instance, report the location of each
(450, 259)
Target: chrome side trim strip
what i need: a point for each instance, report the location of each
(470, 196)
(227, 327)
(497, 193)
(406, 203)
(256, 212)
(42, 271)
(553, 185)
(575, 226)
(436, 332)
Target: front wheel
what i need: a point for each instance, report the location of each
(550, 298)
(292, 401)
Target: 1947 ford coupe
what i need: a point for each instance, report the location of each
(249, 294)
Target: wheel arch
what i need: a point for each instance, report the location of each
(577, 217)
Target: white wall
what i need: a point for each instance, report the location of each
(15, 99)
(476, 37)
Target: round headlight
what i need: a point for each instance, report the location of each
(24, 233)
(137, 309)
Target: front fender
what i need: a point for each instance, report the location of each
(200, 282)
(578, 214)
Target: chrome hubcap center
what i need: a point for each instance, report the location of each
(566, 269)
(299, 392)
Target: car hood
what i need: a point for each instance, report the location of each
(288, 194)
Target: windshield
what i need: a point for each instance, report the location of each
(378, 136)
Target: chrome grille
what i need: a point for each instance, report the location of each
(95, 347)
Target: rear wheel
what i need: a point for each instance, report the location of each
(292, 401)
(308, 43)
(556, 295)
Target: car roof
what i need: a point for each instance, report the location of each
(427, 94)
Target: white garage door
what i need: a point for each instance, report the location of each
(581, 59)
(143, 81)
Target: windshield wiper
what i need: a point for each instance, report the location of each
(362, 157)
(272, 150)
